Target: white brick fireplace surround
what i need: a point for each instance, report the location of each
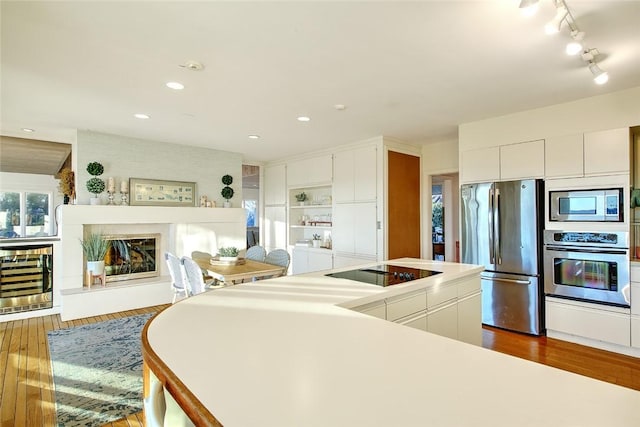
(182, 231)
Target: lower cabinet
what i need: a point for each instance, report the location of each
(417, 320)
(604, 323)
(443, 319)
(306, 260)
(376, 309)
(470, 318)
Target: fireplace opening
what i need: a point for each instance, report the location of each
(132, 256)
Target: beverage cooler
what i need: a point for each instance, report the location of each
(26, 278)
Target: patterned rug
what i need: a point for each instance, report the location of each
(97, 371)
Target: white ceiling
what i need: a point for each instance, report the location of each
(409, 70)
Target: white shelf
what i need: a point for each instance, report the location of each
(314, 227)
(309, 206)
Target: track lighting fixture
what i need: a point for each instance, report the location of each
(599, 76)
(529, 7)
(555, 24)
(576, 45)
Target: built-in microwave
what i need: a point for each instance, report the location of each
(586, 205)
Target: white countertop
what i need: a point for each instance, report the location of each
(282, 353)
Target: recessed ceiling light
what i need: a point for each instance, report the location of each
(141, 116)
(27, 130)
(340, 107)
(175, 85)
(303, 119)
(254, 136)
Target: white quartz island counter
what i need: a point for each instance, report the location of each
(286, 352)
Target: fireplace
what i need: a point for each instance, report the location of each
(132, 256)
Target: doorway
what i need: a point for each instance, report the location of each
(445, 217)
(250, 202)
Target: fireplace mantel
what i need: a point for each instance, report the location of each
(182, 231)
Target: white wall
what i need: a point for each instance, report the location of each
(124, 158)
(614, 110)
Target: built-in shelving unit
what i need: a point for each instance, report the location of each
(311, 217)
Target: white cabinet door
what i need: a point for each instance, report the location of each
(606, 151)
(275, 227)
(443, 320)
(635, 331)
(343, 236)
(417, 321)
(523, 160)
(320, 260)
(355, 175)
(299, 261)
(275, 185)
(406, 305)
(375, 309)
(564, 156)
(347, 260)
(365, 174)
(470, 319)
(480, 165)
(365, 228)
(316, 170)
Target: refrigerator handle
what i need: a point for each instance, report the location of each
(496, 225)
(490, 219)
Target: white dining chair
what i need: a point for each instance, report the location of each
(208, 280)
(193, 273)
(278, 257)
(256, 253)
(177, 276)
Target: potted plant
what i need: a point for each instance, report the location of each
(228, 253)
(316, 241)
(301, 198)
(227, 192)
(95, 185)
(67, 185)
(95, 248)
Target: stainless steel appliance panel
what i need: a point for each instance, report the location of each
(517, 233)
(597, 205)
(512, 302)
(476, 227)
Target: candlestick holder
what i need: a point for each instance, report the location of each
(123, 198)
(111, 193)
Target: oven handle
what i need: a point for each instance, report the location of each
(587, 250)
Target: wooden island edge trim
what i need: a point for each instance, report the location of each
(189, 403)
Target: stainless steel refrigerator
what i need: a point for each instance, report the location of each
(501, 228)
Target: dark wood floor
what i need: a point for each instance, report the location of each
(27, 384)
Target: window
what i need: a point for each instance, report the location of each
(25, 214)
(250, 206)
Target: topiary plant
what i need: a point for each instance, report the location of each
(95, 186)
(227, 193)
(95, 169)
(227, 180)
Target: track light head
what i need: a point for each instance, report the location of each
(529, 7)
(599, 76)
(555, 24)
(575, 47)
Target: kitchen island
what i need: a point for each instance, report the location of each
(291, 352)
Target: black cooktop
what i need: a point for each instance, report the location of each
(384, 275)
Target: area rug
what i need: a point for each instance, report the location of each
(97, 371)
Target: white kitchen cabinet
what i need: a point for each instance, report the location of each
(416, 320)
(376, 309)
(275, 227)
(355, 228)
(470, 319)
(635, 304)
(311, 171)
(586, 320)
(307, 260)
(607, 152)
(405, 305)
(347, 260)
(480, 165)
(563, 156)
(275, 185)
(355, 175)
(312, 217)
(522, 161)
(443, 319)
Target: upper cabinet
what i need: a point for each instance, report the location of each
(522, 161)
(308, 172)
(590, 154)
(480, 165)
(355, 175)
(563, 156)
(275, 185)
(606, 152)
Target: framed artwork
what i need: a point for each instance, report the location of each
(155, 192)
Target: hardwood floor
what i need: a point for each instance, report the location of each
(27, 383)
(25, 370)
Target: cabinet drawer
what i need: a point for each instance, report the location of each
(416, 321)
(405, 305)
(376, 309)
(635, 331)
(469, 286)
(435, 297)
(588, 322)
